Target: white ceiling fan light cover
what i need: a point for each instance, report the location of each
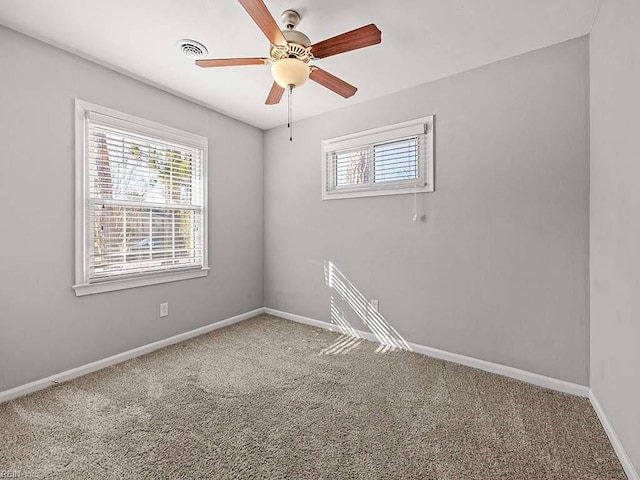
(290, 71)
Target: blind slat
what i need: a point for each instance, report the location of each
(392, 161)
(145, 204)
(137, 204)
(96, 128)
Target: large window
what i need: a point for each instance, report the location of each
(141, 202)
(390, 160)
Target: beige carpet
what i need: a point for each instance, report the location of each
(272, 399)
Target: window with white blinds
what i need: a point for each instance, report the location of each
(390, 160)
(142, 189)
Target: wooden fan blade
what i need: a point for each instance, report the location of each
(231, 62)
(332, 82)
(275, 94)
(358, 38)
(258, 11)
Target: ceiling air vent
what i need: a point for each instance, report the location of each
(191, 48)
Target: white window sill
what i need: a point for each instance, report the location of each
(374, 192)
(113, 285)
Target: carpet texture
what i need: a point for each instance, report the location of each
(272, 399)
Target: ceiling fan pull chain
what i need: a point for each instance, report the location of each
(290, 125)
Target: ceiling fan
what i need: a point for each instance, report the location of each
(291, 51)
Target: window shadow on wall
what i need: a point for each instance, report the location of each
(385, 334)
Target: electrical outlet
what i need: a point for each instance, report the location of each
(375, 304)
(164, 309)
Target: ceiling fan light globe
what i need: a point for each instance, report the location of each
(290, 71)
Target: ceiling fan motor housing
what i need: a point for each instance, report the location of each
(299, 46)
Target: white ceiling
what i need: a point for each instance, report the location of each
(422, 40)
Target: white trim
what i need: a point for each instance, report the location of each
(522, 375)
(81, 193)
(84, 110)
(122, 284)
(379, 130)
(375, 192)
(625, 460)
(379, 135)
(126, 121)
(121, 357)
(376, 135)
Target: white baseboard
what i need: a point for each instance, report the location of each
(628, 467)
(121, 357)
(523, 375)
(529, 377)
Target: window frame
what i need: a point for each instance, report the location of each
(139, 125)
(373, 137)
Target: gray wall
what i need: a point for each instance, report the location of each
(44, 327)
(498, 269)
(615, 218)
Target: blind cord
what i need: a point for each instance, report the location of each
(415, 187)
(415, 202)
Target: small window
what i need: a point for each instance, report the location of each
(140, 202)
(385, 161)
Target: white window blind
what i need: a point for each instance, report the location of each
(390, 160)
(144, 201)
